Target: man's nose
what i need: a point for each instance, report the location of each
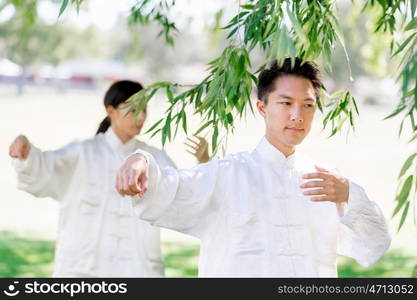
(296, 115)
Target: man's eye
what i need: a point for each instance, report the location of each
(309, 105)
(286, 103)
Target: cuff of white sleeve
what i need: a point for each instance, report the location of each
(354, 201)
(144, 153)
(162, 187)
(153, 178)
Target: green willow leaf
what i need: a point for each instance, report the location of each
(351, 120)
(247, 6)
(184, 121)
(413, 13)
(232, 32)
(398, 208)
(396, 112)
(407, 165)
(154, 126)
(406, 188)
(404, 44)
(413, 137)
(355, 105)
(214, 138)
(169, 93)
(403, 216)
(156, 132)
(203, 127)
(412, 24)
(63, 7)
(297, 26)
(225, 93)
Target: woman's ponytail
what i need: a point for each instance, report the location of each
(104, 125)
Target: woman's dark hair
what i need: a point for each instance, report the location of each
(118, 93)
(305, 69)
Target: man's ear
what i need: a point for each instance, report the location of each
(260, 105)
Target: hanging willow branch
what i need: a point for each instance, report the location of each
(306, 29)
(391, 11)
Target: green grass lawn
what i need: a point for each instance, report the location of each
(29, 257)
(25, 257)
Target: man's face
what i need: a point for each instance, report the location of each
(289, 111)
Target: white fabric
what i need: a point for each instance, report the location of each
(253, 219)
(98, 234)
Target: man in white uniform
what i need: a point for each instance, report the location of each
(270, 212)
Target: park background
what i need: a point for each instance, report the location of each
(52, 90)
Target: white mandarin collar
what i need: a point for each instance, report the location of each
(274, 156)
(116, 144)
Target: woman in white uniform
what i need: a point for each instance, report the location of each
(98, 235)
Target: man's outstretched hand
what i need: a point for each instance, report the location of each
(132, 178)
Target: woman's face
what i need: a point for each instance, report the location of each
(125, 124)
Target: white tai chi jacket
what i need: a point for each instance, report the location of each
(98, 234)
(253, 220)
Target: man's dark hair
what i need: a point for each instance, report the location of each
(305, 69)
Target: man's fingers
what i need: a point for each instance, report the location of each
(22, 154)
(121, 189)
(125, 184)
(313, 183)
(26, 148)
(320, 199)
(19, 154)
(321, 169)
(316, 192)
(118, 185)
(127, 179)
(12, 153)
(17, 151)
(12, 150)
(133, 184)
(25, 152)
(144, 183)
(316, 175)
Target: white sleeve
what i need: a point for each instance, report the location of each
(165, 160)
(46, 174)
(363, 230)
(185, 200)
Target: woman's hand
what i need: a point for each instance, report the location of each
(198, 148)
